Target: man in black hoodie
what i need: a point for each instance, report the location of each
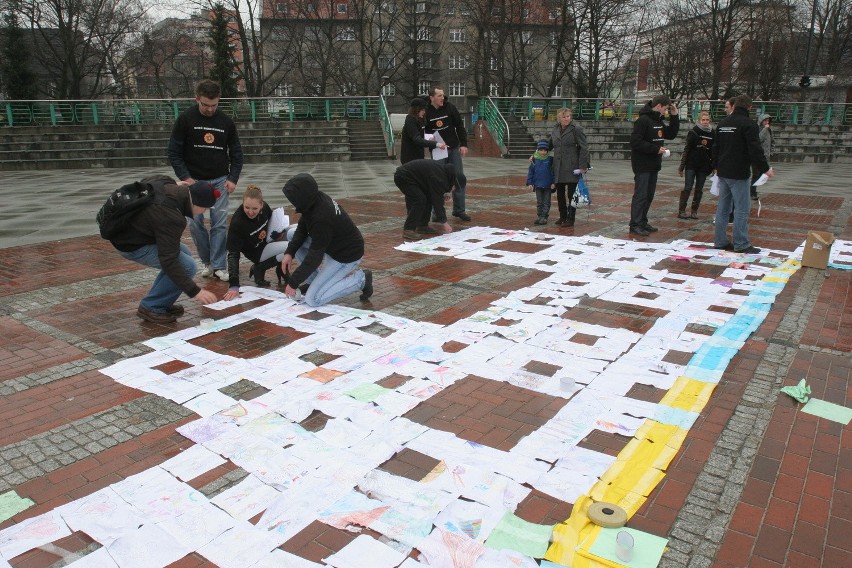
(736, 150)
(646, 153)
(327, 244)
(152, 238)
(424, 184)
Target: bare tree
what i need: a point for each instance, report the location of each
(77, 39)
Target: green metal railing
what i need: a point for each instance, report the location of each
(496, 122)
(783, 112)
(164, 111)
(159, 111)
(384, 117)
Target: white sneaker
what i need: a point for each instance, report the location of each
(206, 271)
(221, 275)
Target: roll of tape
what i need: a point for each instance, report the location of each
(607, 515)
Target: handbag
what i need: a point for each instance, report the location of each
(581, 196)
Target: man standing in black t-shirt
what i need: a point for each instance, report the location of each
(444, 119)
(204, 146)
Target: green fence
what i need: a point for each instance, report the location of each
(159, 111)
(783, 112)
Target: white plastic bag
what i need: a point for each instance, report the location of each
(714, 185)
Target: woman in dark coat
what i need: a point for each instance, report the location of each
(570, 152)
(412, 141)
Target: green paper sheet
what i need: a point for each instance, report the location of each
(367, 393)
(825, 409)
(647, 548)
(515, 533)
(11, 504)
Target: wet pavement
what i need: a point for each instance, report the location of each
(755, 483)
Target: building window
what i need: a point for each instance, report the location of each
(554, 38)
(386, 34)
(420, 8)
(525, 13)
(495, 11)
(388, 7)
(493, 90)
(311, 8)
(451, 9)
(493, 64)
(464, 10)
(386, 62)
(389, 90)
(457, 89)
(458, 62)
(424, 34)
(557, 92)
(346, 33)
(282, 9)
(347, 89)
(528, 90)
(458, 35)
(285, 90)
(526, 38)
(555, 13)
(424, 87)
(341, 8)
(427, 61)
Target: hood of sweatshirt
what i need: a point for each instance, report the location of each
(649, 110)
(302, 191)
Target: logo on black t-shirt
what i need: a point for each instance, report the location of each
(209, 138)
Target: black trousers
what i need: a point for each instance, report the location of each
(416, 202)
(564, 194)
(645, 185)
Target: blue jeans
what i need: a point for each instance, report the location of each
(454, 157)
(212, 246)
(733, 193)
(332, 279)
(163, 292)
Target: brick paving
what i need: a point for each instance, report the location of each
(756, 483)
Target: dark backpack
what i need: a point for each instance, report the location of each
(122, 205)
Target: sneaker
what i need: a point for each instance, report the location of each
(155, 317)
(561, 222)
(463, 216)
(221, 274)
(427, 230)
(728, 246)
(650, 228)
(639, 231)
(175, 310)
(541, 221)
(749, 250)
(693, 215)
(409, 235)
(367, 290)
(206, 270)
(682, 215)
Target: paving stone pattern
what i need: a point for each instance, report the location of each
(756, 483)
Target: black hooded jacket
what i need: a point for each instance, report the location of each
(649, 134)
(737, 147)
(433, 178)
(331, 230)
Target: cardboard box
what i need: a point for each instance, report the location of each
(817, 249)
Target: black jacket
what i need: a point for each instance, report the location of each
(331, 230)
(433, 178)
(737, 147)
(649, 135)
(246, 236)
(448, 123)
(412, 141)
(205, 148)
(698, 151)
(162, 223)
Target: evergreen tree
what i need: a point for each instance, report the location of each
(17, 79)
(223, 53)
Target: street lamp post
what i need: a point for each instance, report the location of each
(805, 81)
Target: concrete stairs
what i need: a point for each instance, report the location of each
(818, 144)
(127, 146)
(366, 140)
(521, 140)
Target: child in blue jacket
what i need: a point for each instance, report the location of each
(540, 179)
